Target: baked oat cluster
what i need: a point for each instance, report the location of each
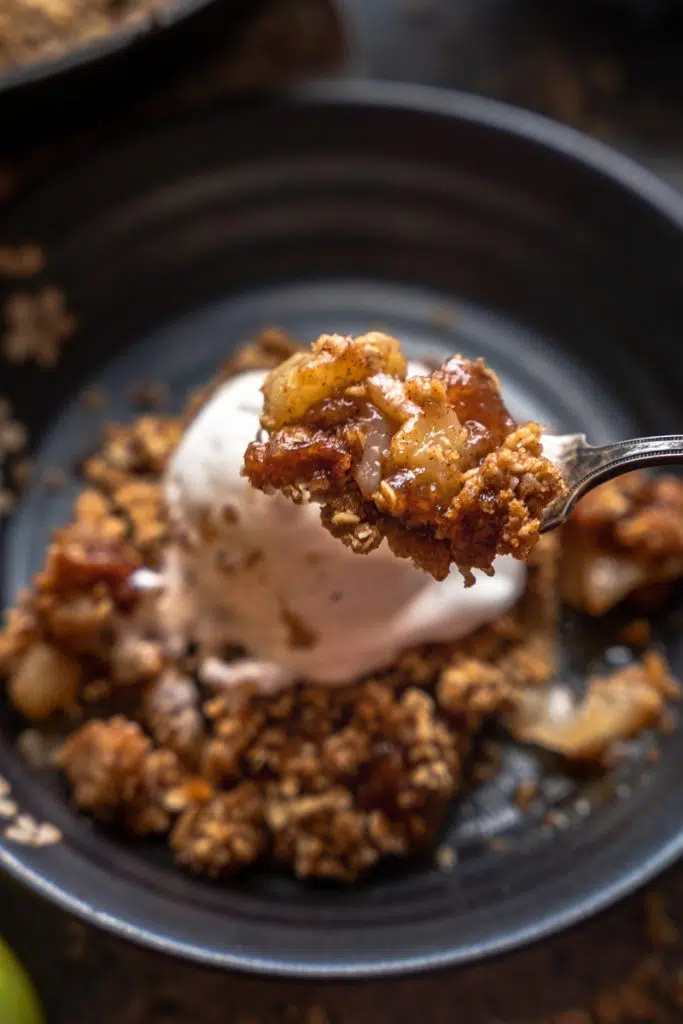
(624, 538)
(323, 781)
(434, 464)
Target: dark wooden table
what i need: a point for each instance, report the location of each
(618, 76)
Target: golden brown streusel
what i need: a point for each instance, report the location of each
(222, 834)
(65, 632)
(117, 775)
(127, 473)
(433, 464)
(349, 774)
(624, 538)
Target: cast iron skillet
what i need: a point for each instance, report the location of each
(344, 207)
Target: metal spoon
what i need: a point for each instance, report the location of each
(583, 466)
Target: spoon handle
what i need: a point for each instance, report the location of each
(584, 466)
(601, 463)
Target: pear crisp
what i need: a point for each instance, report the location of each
(432, 464)
(324, 781)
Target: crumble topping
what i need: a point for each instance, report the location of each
(118, 776)
(433, 464)
(222, 834)
(624, 538)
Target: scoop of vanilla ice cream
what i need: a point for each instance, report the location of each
(259, 572)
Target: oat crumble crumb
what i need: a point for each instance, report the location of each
(26, 831)
(624, 540)
(37, 325)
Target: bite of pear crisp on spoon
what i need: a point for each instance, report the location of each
(434, 464)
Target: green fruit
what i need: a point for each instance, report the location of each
(18, 1000)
